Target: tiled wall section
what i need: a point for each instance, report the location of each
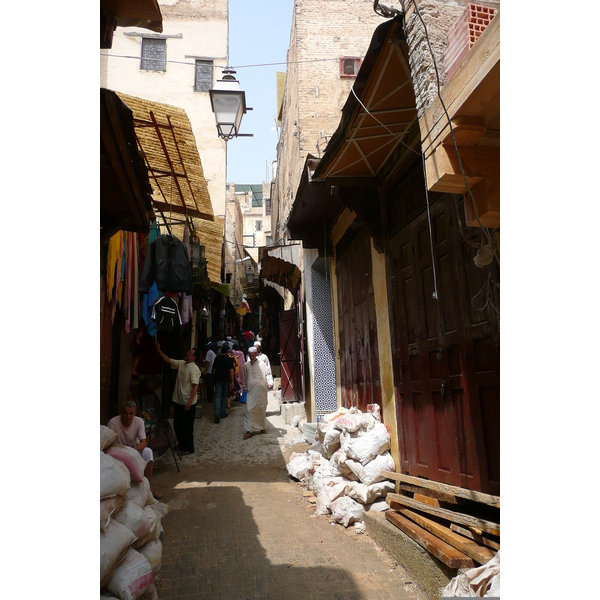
(325, 388)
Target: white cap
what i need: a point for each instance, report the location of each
(252, 349)
(257, 343)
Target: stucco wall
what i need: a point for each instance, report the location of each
(202, 31)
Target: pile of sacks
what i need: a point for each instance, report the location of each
(344, 465)
(130, 523)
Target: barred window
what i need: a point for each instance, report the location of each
(349, 66)
(258, 225)
(154, 54)
(204, 75)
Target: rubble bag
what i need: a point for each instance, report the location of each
(344, 510)
(136, 520)
(132, 577)
(110, 505)
(114, 545)
(114, 476)
(367, 446)
(367, 494)
(140, 493)
(372, 472)
(155, 519)
(107, 437)
(131, 458)
(153, 552)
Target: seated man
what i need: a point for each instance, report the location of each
(131, 432)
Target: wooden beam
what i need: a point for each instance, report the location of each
(431, 494)
(445, 488)
(449, 555)
(398, 502)
(467, 131)
(487, 200)
(444, 173)
(182, 210)
(469, 547)
(480, 539)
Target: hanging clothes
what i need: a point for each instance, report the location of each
(167, 263)
(136, 303)
(186, 300)
(165, 313)
(114, 251)
(149, 298)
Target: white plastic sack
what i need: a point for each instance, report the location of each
(367, 446)
(153, 552)
(114, 476)
(114, 545)
(136, 520)
(140, 493)
(132, 577)
(296, 420)
(110, 505)
(375, 410)
(155, 524)
(331, 442)
(344, 510)
(131, 458)
(302, 464)
(366, 494)
(373, 471)
(350, 422)
(342, 462)
(107, 436)
(161, 509)
(476, 582)
(332, 489)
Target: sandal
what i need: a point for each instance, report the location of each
(263, 431)
(247, 435)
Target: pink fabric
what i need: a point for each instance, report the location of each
(128, 457)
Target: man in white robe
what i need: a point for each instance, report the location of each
(263, 358)
(254, 377)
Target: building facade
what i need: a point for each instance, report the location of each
(177, 67)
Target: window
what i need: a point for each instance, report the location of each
(154, 54)
(258, 225)
(267, 206)
(204, 75)
(349, 66)
(269, 240)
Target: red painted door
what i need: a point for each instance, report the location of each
(290, 356)
(359, 353)
(446, 355)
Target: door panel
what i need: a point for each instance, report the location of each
(446, 354)
(290, 356)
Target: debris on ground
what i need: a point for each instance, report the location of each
(481, 582)
(343, 466)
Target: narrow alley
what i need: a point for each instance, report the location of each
(239, 526)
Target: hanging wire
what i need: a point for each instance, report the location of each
(488, 296)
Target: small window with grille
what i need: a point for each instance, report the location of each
(258, 226)
(154, 54)
(349, 66)
(204, 75)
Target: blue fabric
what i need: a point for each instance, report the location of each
(153, 294)
(243, 397)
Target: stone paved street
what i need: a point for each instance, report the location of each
(239, 527)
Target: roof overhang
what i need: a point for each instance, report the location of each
(128, 13)
(125, 191)
(472, 98)
(378, 116)
(314, 211)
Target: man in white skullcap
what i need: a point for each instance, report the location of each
(254, 377)
(263, 358)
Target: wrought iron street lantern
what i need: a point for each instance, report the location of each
(228, 102)
(250, 275)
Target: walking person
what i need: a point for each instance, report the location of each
(263, 358)
(209, 359)
(241, 360)
(184, 398)
(255, 382)
(223, 372)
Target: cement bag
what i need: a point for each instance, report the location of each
(373, 471)
(140, 493)
(153, 552)
(301, 465)
(475, 582)
(367, 494)
(132, 577)
(375, 410)
(161, 509)
(342, 463)
(331, 442)
(344, 510)
(155, 524)
(114, 545)
(321, 473)
(136, 520)
(131, 458)
(350, 422)
(114, 476)
(367, 446)
(332, 489)
(107, 437)
(110, 505)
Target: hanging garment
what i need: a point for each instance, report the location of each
(167, 263)
(114, 248)
(165, 313)
(148, 301)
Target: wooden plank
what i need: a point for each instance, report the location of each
(480, 539)
(445, 488)
(450, 556)
(440, 496)
(397, 502)
(481, 554)
(427, 500)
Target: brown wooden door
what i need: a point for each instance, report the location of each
(446, 355)
(359, 353)
(290, 356)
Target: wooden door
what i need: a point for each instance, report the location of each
(446, 355)
(359, 353)
(289, 342)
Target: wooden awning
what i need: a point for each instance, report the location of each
(379, 113)
(275, 268)
(125, 191)
(128, 13)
